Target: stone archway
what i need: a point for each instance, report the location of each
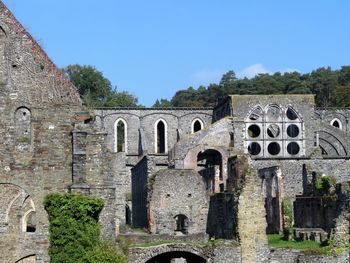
(182, 256)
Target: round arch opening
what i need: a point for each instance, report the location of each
(168, 256)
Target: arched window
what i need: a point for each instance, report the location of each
(336, 123)
(23, 128)
(120, 132)
(197, 125)
(256, 114)
(181, 223)
(161, 140)
(29, 217)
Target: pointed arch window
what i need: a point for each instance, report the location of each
(336, 123)
(197, 125)
(161, 140)
(120, 132)
(23, 129)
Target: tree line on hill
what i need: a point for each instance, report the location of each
(331, 87)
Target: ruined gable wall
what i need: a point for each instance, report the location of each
(303, 105)
(175, 192)
(36, 108)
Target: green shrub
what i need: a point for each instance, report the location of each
(74, 230)
(288, 215)
(103, 252)
(324, 184)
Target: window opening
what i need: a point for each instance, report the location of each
(197, 126)
(291, 114)
(336, 124)
(254, 148)
(181, 223)
(274, 148)
(121, 136)
(273, 130)
(253, 131)
(160, 137)
(293, 148)
(293, 131)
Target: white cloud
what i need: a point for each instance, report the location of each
(206, 76)
(252, 71)
(289, 70)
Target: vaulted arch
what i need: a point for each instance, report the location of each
(331, 145)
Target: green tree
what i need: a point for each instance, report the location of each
(344, 75)
(121, 99)
(96, 90)
(323, 82)
(162, 103)
(293, 83)
(267, 84)
(341, 96)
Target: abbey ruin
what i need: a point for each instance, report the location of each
(183, 174)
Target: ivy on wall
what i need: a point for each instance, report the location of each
(75, 231)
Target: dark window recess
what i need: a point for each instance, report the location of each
(293, 131)
(253, 131)
(293, 148)
(120, 136)
(254, 148)
(197, 126)
(291, 114)
(274, 148)
(31, 226)
(160, 137)
(336, 124)
(181, 223)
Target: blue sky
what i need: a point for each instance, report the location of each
(154, 48)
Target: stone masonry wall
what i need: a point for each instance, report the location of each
(178, 122)
(251, 220)
(177, 192)
(37, 105)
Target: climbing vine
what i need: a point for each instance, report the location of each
(75, 232)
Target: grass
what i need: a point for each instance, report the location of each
(157, 243)
(308, 246)
(278, 242)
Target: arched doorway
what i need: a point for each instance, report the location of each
(181, 224)
(169, 257)
(209, 165)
